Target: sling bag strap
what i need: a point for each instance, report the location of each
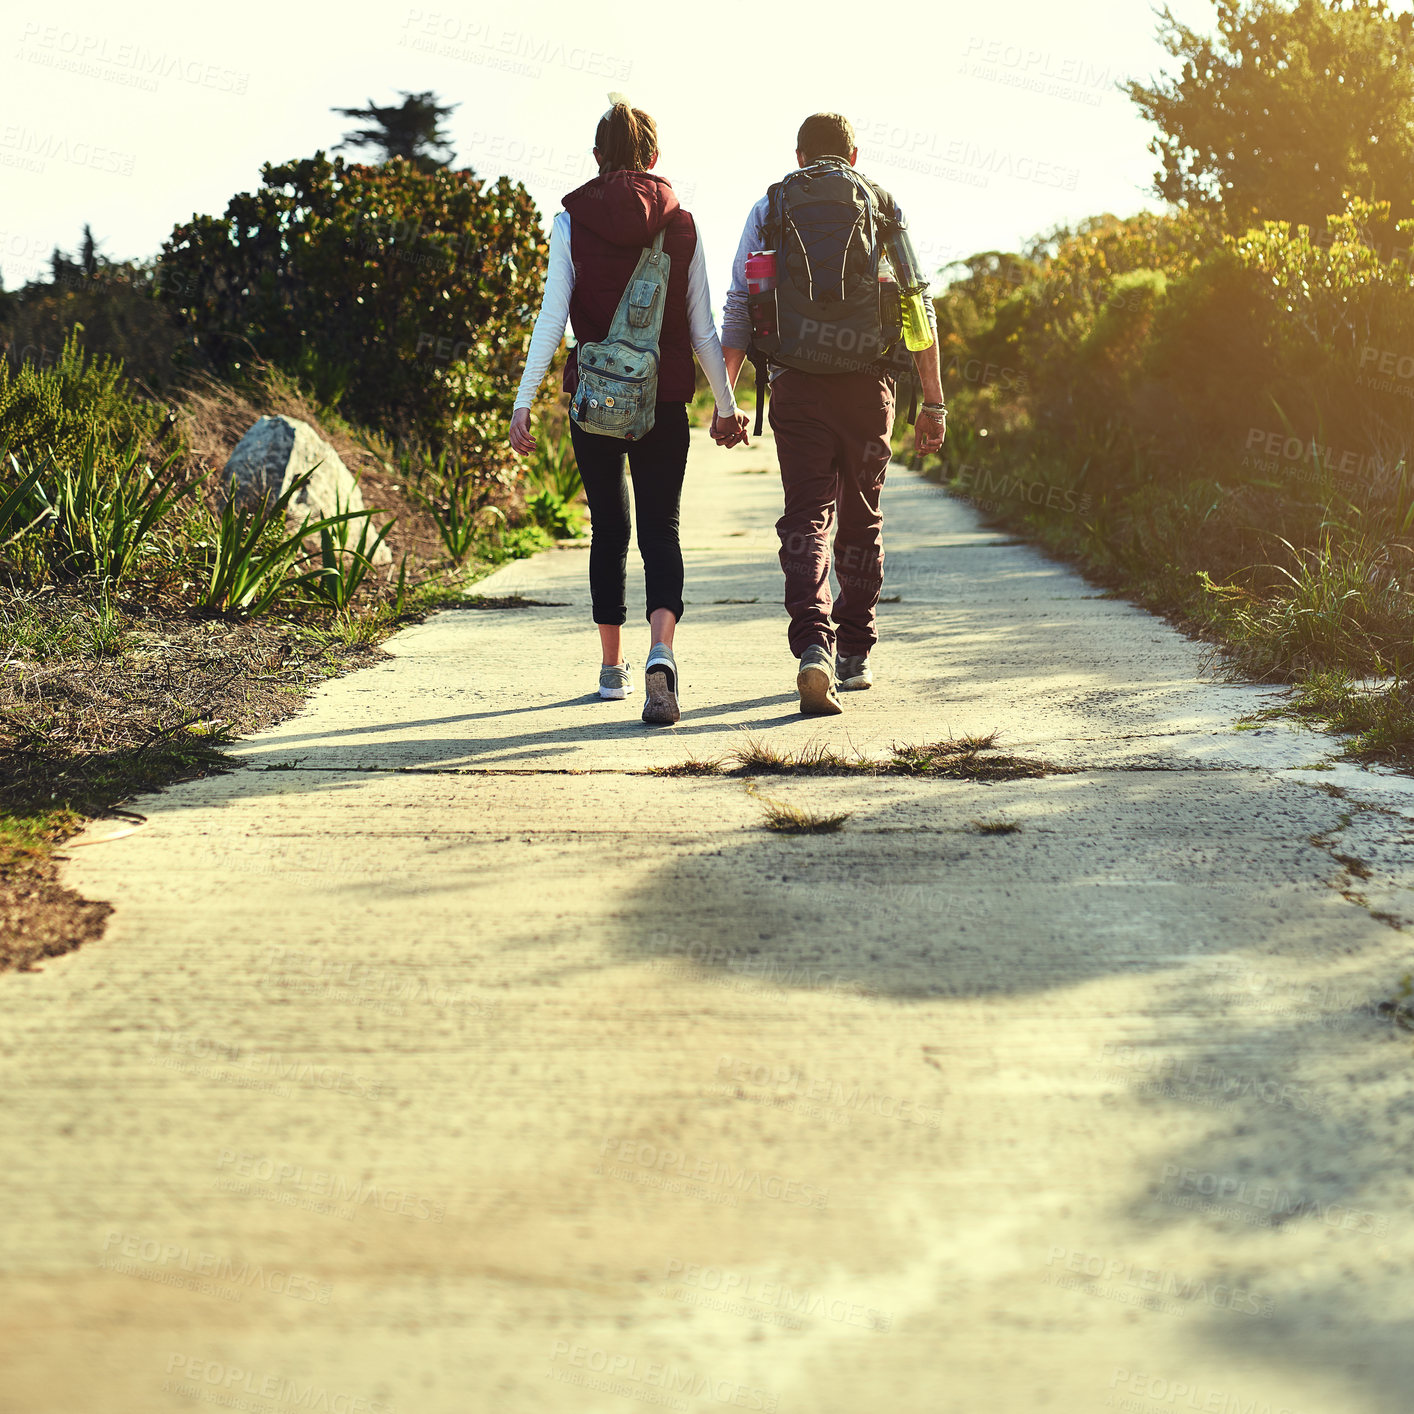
(639, 318)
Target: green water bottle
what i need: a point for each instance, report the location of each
(916, 333)
(917, 336)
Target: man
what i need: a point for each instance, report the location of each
(832, 427)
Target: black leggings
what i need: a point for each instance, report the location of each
(657, 463)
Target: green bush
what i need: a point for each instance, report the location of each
(402, 296)
(116, 307)
(61, 406)
(550, 510)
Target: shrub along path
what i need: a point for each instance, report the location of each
(475, 1047)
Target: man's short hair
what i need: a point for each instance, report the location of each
(825, 135)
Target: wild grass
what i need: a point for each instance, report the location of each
(1339, 603)
(90, 514)
(343, 566)
(996, 826)
(693, 766)
(787, 819)
(815, 758)
(23, 505)
(35, 627)
(552, 468)
(973, 758)
(454, 500)
(1378, 718)
(252, 554)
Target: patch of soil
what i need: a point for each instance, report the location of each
(40, 918)
(81, 734)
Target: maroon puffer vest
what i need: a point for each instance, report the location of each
(612, 218)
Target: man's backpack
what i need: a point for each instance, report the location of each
(828, 313)
(617, 392)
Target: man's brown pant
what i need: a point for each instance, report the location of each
(832, 439)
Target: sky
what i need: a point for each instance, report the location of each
(988, 122)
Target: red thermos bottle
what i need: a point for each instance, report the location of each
(760, 283)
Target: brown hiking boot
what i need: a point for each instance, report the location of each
(854, 674)
(816, 684)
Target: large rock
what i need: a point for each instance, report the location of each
(278, 450)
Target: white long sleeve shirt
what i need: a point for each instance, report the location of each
(555, 313)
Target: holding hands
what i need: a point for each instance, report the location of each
(726, 431)
(729, 431)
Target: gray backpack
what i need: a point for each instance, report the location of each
(829, 312)
(831, 315)
(617, 394)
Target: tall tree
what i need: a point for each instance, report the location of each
(413, 130)
(1288, 108)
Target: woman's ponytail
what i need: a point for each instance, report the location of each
(627, 139)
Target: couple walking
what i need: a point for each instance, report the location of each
(828, 326)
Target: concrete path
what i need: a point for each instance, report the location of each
(443, 1059)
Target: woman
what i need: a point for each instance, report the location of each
(594, 246)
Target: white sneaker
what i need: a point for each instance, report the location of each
(613, 682)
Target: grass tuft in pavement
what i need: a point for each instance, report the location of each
(972, 758)
(693, 766)
(789, 819)
(1379, 720)
(755, 755)
(969, 758)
